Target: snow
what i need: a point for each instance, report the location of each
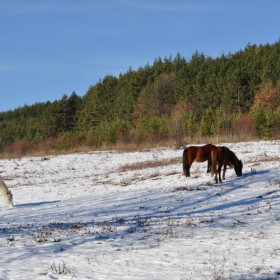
(133, 215)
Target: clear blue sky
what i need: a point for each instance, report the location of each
(49, 48)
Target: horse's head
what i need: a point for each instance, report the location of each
(238, 165)
(8, 199)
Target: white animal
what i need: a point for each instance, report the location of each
(8, 197)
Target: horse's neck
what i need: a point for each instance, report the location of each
(235, 159)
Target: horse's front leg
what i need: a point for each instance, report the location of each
(219, 171)
(209, 165)
(224, 171)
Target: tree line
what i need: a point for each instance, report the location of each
(174, 98)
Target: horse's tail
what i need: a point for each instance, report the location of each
(214, 161)
(185, 160)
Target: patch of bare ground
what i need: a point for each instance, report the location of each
(23, 234)
(189, 189)
(149, 164)
(264, 159)
(135, 178)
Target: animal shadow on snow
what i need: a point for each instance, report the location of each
(231, 185)
(34, 204)
(233, 179)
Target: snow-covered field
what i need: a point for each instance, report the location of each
(116, 215)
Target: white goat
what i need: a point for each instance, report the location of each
(8, 197)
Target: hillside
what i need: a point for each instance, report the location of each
(234, 96)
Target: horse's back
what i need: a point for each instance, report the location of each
(204, 152)
(221, 152)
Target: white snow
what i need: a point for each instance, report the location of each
(133, 215)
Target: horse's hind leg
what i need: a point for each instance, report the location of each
(186, 164)
(188, 171)
(217, 174)
(215, 178)
(187, 168)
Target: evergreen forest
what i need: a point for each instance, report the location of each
(174, 100)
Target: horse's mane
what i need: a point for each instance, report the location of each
(238, 165)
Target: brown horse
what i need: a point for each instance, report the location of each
(199, 154)
(223, 156)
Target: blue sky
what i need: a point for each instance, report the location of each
(49, 48)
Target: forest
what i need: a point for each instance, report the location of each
(175, 100)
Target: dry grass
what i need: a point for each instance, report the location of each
(132, 147)
(61, 268)
(129, 147)
(149, 164)
(263, 159)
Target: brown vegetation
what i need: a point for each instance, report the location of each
(267, 96)
(149, 164)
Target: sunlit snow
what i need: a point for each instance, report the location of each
(133, 215)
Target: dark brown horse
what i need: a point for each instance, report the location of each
(223, 156)
(199, 154)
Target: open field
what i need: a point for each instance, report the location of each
(132, 215)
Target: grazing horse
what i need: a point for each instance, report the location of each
(223, 156)
(8, 197)
(199, 154)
